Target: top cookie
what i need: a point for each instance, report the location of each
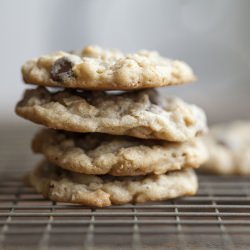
(229, 149)
(95, 68)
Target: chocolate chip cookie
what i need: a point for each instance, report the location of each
(142, 114)
(100, 191)
(229, 149)
(95, 68)
(99, 154)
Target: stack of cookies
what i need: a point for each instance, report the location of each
(111, 137)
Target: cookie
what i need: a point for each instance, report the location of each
(95, 68)
(100, 154)
(142, 114)
(100, 191)
(229, 149)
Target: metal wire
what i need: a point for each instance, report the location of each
(217, 218)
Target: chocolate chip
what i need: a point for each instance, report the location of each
(156, 99)
(153, 97)
(223, 143)
(62, 70)
(154, 109)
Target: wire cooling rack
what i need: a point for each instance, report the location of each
(217, 218)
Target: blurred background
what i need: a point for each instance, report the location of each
(212, 36)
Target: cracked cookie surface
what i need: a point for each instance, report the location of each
(100, 154)
(95, 68)
(142, 114)
(229, 149)
(100, 191)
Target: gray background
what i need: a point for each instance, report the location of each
(212, 36)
